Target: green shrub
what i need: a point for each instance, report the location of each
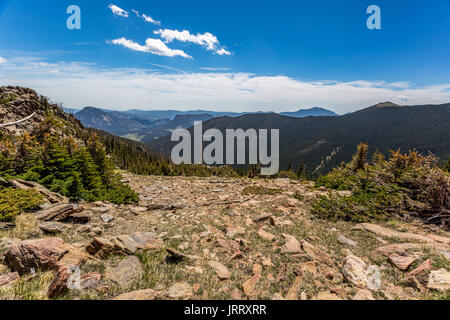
(15, 201)
(404, 184)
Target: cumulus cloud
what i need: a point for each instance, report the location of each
(2, 60)
(78, 85)
(146, 17)
(207, 40)
(223, 52)
(153, 46)
(118, 11)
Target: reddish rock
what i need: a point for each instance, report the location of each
(222, 272)
(43, 254)
(421, 270)
(291, 245)
(9, 278)
(58, 212)
(316, 254)
(401, 262)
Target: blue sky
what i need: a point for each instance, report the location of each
(234, 55)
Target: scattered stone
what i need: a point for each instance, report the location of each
(100, 209)
(176, 256)
(126, 244)
(291, 245)
(97, 231)
(106, 218)
(138, 210)
(293, 291)
(143, 295)
(347, 241)
(222, 272)
(310, 266)
(43, 254)
(363, 294)
(58, 212)
(262, 217)
(257, 269)
(194, 269)
(250, 284)
(388, 233)
(327, 295)
(421, 272)
(354, 271)
(52, 227)
(316, 254)
(81, 217)
(128, 271)
(236, 294)
(180, 290)
(412, 282)
(84, 229)
(402, 248)
(92, 281)
(277, 297)
(439, 239)
(401, 262)
(266, 235)
(439, 280)
(236, 256)
(9, 278)
(205, 234)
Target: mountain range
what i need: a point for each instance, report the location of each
(147, 126)
(322, 143)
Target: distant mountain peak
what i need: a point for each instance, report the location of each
(385, 104)
(312, 112)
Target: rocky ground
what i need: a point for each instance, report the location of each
(203, 238)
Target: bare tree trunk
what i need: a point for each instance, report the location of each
(17, 122)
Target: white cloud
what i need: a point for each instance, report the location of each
(222, 52)
(154, 46)
(207, 40)
(118, 11)
(2, 60)
(78, 85)
(146, 17)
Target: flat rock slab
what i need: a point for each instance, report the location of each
(262, 217)
(180, 290)
(439, 280)
(9, 278)
(266, 235)
(28, 255)
(291, 245)
(392, 234)
(222, 272)
(58, 212)
(401, 262)
(107, 218)
(147, 294)
(52, 227)
(402, 248)
(81, 217)
(127, 244)
(316, 253)
(354, 271)
(342, 239)
(128, 271)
